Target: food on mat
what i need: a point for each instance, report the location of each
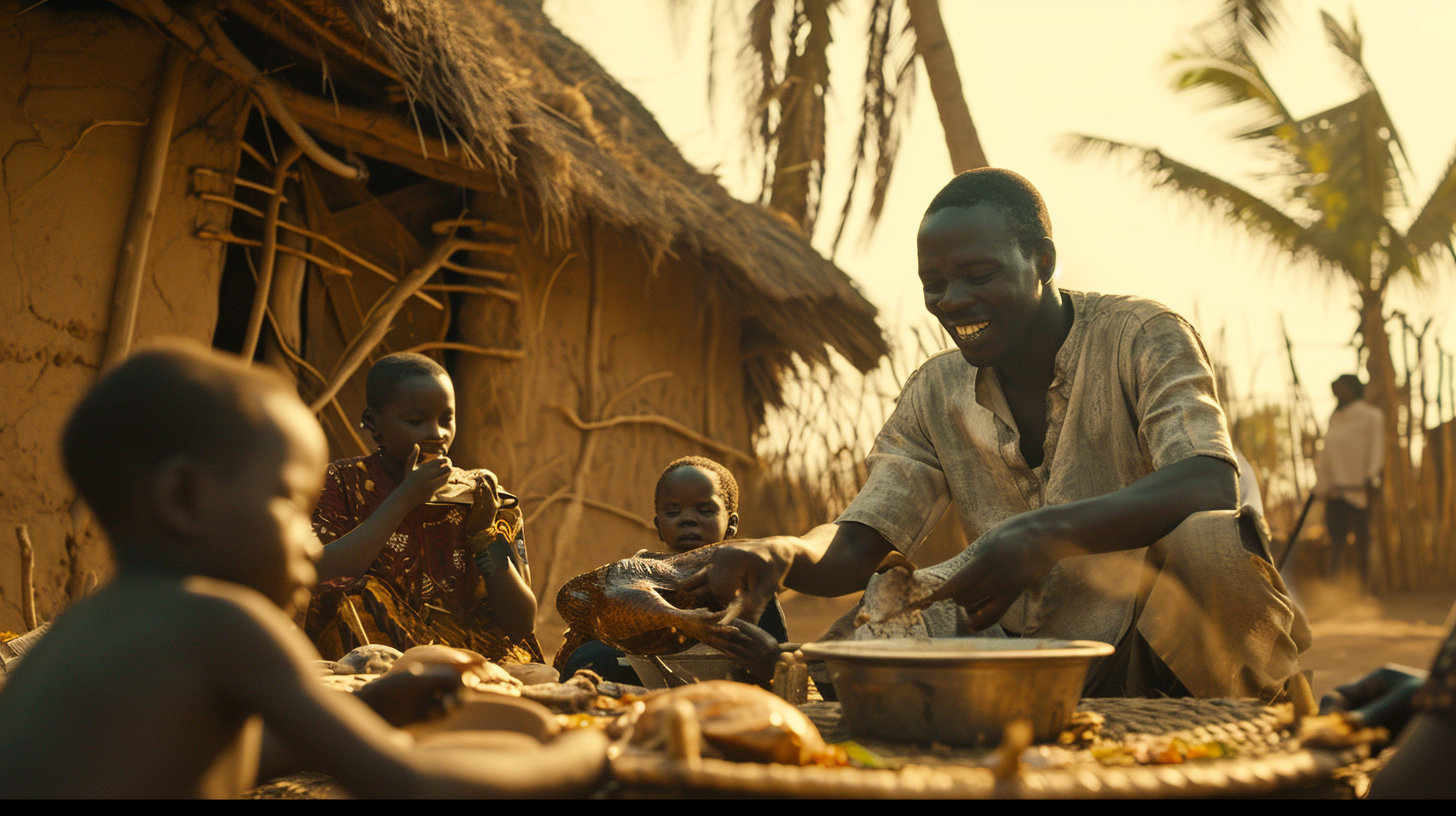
(1340, 729)
(494, 713)
(737, 722)
(374, 658)
(575, 695)
(532, 673)
(1082, 730)
(475, 671)
(1151, 750)
(889, 608)
(635, 605)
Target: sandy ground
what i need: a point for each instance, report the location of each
(1354, 633)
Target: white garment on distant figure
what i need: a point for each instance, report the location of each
(1354, 454)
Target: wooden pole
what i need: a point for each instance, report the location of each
(380, 319)
(127, 293)
(27, 577)
(270, 255)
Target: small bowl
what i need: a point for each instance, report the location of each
(696, 664)
(956, 691)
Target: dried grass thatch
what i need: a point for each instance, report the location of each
(528, 110)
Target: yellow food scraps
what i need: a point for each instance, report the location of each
(1160, 751)
(862, 757)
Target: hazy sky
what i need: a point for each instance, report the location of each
(1035, 70)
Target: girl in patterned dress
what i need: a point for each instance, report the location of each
(417, 551)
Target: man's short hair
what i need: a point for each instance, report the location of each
(727, 485)
(1353, 381)
(1012, 194)
(171, 398)
(386, 375)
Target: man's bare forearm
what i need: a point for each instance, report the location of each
(1141, 513)
(835, 559)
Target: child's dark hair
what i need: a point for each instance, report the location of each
(727, 485)
(1009, 192)
(175, 397)
(386, 375)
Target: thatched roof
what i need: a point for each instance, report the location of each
(520, 105)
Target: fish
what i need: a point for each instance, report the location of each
(737, 722)
(891, 607)
(635, 605)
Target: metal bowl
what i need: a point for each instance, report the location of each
(956, 691)
(697, 664)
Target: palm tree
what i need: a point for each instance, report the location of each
(1339, 175)
(785, 70)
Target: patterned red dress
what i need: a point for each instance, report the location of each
(423, 587)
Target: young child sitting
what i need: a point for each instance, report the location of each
(203, 474)
(403, 570)
(696, 504)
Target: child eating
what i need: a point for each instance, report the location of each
(696, 503)
(203, 474)
(401, 567)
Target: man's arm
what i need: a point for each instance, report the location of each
(828, 561)
(1021, 550)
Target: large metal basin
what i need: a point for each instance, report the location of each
(956, 691)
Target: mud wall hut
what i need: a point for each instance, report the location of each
(317, 184)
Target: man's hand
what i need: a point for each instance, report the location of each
(750, 572)
(754, 650)
(422, 479)
(425, 692)
(1009, 559)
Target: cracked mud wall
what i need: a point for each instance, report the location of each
(75, 92)
(667, 321)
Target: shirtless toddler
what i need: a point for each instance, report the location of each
(204, 473)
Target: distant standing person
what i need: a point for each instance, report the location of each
(1348, 470)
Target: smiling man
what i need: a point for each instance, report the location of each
(1079, 435)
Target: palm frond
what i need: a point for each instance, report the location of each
(885, 105)
(1435, 226)
(758, 69)
(1233, 78)
(1223, 198)
(1350, 45)
(1253, 19)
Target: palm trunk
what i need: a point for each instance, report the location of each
(801, 125)
(933, 45)
(1387, 513)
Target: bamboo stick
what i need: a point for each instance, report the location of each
(493, 274)
(27, 577)
(377, 323)
(486, 291)
(126, 296)
(597, 505)
(237, 181)
(264, 282)
(229, 238)
(502, 353)
(208, 41)
(660, 421)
